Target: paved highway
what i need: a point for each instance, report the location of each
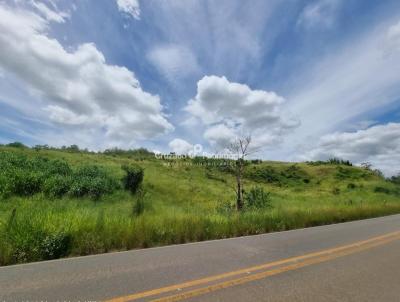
(355, 261)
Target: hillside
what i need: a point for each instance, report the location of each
(180, 201)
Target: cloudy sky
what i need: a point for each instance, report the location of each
(308, 79)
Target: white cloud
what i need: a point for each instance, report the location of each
(233, 109)
(180, 146)
(49, 14)
(358, 81)
(78, 88)
(130, 7)
(225, 36)
(379, 145)
(319, 14)
(220, 135)
(173, 61)
(393, 37)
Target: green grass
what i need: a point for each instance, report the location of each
(183, 203)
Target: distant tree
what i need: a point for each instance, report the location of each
(366, 165)
(16, 145)
(378, 173)
(395, 179)
(73, 148)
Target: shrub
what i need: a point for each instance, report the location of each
(25, 176)
(351, 173)
(17, 145)
(382, 190)
(351, 186)
(24, 183)
(395, 179)
(331, 161)
(92, 181)
(133, 178)
(57, 186)
(338, 161)
(55, 245)
(58, 167)
(257, 198)
(292, 175)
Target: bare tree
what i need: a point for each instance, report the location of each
(241, 148)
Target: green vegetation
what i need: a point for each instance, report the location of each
(24, 176)
(58, 203)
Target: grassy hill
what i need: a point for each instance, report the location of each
(57, 203)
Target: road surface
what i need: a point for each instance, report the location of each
(355, 261)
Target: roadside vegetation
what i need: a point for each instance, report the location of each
(64, 202)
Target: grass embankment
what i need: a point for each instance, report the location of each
(183, 201)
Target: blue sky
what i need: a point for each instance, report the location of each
(308, 79)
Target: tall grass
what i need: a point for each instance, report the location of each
(180, 203)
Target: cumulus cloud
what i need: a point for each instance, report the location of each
(379, 145)
(320, 13)
(180, 146)
(231, 109)
(78, 87)
(130, 7)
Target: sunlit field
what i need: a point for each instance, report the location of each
(179, 201)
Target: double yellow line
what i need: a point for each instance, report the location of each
(229, 279)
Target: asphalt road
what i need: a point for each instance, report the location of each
(356, 261)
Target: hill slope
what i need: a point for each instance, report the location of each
(181, 201)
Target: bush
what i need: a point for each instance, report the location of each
(395, 179)
(382, 190)
(331, 161)
(351, 173)
(92, 181)
(25, 176)
(57, 186)
(133, 178)
(24, 183)
(54, 246)
(257, 198)
(17, 145)
(292, 175)
(351, 186)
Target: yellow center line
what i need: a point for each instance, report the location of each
(268, 273)
(380, 239)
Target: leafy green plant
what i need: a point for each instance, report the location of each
(57, 186)
(92, 181)
(382, 190)
(395, 179)
(133, 178)
(290, 176)
(257, 198)
(25, 176)
(351, 186)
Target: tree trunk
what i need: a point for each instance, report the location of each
(239, 201)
